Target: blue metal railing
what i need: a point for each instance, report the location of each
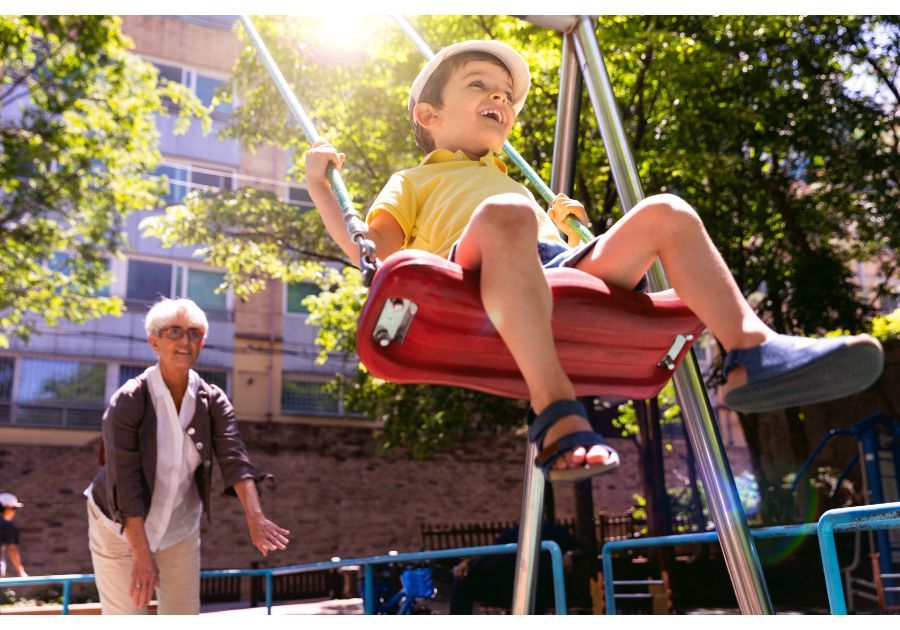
(559, 589)
(852, 519)
(67, 581)
(681, 539)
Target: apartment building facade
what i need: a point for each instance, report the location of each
(54, 388)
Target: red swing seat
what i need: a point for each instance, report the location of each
(423, 322)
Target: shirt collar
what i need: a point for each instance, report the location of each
(444, 155)
(158, 385)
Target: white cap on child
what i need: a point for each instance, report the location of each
(9, 500)
(514, 62)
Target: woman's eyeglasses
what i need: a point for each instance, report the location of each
(177, 332)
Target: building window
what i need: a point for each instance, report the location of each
(206, 87)
(60, 261)
(299, 196)
(128, 372)
(889, 304)
(201, 287)
(185, 178)
(296, 291)
(209, 179)
(214, 377)
(148, 281)
(177, 178)
(303, 397)
(203, 85)
(7, 366)
(60, 393)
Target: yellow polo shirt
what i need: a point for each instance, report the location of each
(433, 201)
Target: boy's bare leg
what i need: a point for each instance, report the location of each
(667, 227)
(501, 240)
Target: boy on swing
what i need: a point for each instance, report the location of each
(460, 203)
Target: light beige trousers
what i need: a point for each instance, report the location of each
(178, 592)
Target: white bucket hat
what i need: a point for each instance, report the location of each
(8, 500)
(514, 62)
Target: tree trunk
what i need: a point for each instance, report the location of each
(659, 517)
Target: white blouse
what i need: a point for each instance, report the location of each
(175, 508)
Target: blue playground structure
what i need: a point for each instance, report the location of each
(879, 449)
(878, 436)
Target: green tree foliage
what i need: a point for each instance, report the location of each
(754, 120)
(78, 137)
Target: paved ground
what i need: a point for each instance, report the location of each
(355, 607)
(306, 607)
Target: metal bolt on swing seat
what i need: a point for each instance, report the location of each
(382, 337)
(394, 321)
(668, 361)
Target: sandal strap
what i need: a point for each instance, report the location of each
(538, 424)
(733, 359)
(548, 456)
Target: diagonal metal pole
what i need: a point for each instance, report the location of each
(725, 507)
(528, 558)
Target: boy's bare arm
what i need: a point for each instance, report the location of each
(384, 231)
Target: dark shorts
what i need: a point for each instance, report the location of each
(555, 255)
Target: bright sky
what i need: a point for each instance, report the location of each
(412, 7)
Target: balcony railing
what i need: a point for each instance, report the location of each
(61, 415)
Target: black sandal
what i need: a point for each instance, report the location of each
(539, 424)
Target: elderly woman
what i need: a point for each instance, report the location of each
(160, 433)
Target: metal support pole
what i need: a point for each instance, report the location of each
(725, 507)
(528, 556)
(568, 106)
(67, 596)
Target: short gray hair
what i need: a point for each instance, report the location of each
(164, 311)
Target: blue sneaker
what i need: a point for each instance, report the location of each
(791, 371)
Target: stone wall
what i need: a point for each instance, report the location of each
(335, 493)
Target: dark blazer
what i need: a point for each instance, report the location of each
(123, 486)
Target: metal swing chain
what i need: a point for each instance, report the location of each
(356, 228)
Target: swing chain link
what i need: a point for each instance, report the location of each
(368, 261)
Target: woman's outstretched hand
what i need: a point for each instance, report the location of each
(266, 535)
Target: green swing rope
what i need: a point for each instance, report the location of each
(517, 159)
(368, 262)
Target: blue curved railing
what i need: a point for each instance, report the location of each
(859, 518)
(852, 519)
(559, 589)
(680, 539)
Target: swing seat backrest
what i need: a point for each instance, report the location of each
(423, 322)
